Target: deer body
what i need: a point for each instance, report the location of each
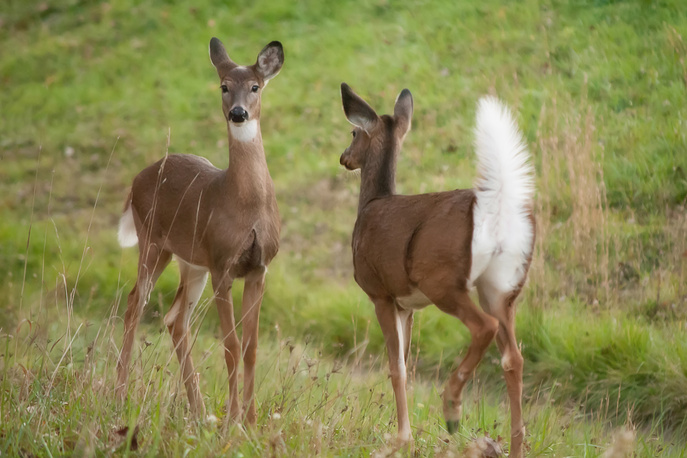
(394, 243)
(413, 251)
(235, 220)
(222, 222)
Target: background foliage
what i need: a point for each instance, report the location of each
(93, 91)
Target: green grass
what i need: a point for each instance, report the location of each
(93, 92)
(59, 397)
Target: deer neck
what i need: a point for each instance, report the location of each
(248, 177)
(378, 176)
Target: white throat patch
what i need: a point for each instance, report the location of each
(244, 132)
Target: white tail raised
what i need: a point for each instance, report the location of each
(504, 190)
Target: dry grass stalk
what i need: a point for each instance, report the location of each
(623, 445)
(571, 185)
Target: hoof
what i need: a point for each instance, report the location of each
(452, 426)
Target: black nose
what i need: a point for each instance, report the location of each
(343, 162)
(238, 114)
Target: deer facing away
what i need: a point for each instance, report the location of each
(412, 251)
(222, 222)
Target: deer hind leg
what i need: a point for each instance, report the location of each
(191, 284)
(501, 306)
(152, 261)
(221, 284)
(250, 309)
(482, 329)
(393, 330)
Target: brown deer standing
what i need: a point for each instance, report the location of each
(412, 251)
(224, 222)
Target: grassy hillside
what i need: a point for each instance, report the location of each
(94, 91)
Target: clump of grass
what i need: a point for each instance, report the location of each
(612, 366)
(622, 446)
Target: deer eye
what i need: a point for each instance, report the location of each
(224, 88)
(353, 133)
(255, 88)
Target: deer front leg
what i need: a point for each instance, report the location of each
(230, 341)
(252, 299)
(393, 330)
(406, 317)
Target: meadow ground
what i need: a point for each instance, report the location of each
(94, 91)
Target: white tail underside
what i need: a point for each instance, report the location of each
(127, 229)
(502, 238)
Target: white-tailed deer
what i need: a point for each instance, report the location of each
(412, 251)
(224, 222)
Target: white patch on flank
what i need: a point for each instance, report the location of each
(127, 229)
(171, 316)
(401, 350)
(183, 264)
(245, 131)
(415, 301)
(505, 362)
(503, 232)
(195, 278)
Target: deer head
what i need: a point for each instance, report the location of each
(373, 134)
(242, 86)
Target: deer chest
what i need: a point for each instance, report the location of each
(257, 250)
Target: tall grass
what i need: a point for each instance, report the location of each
(309, 405)
(571, 202)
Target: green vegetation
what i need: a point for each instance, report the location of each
(94, 91)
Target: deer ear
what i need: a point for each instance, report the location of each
(403, 111)
(270, 60)
(357, 111)
(219, 57)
